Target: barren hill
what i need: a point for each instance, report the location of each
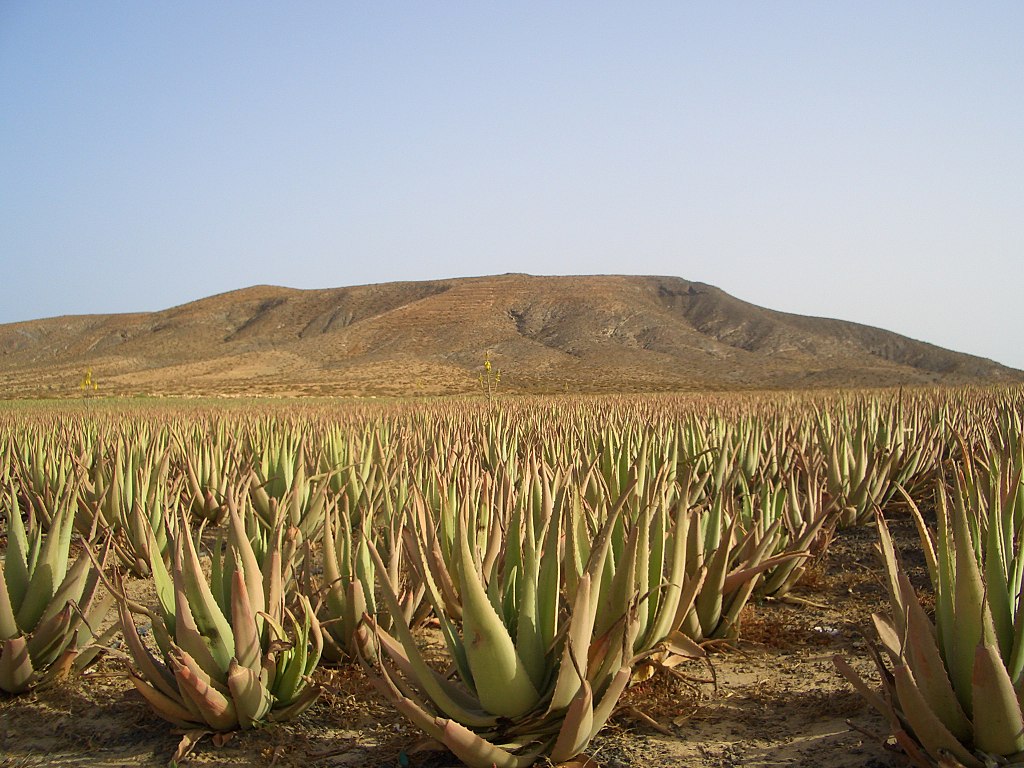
(599, 333)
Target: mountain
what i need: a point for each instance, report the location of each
(546, 334)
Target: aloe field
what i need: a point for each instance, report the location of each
(738, 579)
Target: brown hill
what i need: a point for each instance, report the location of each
(599, 333)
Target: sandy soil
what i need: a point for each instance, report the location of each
(776, 700)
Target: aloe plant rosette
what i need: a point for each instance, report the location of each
(231, 654)
(953, 693)
(48, 610)
(532, 676)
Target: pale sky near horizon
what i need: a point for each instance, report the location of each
(857, 160)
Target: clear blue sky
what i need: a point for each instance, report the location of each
(860, 160)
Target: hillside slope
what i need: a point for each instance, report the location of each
(595, 333)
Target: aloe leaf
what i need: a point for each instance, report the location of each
(477, 752)
(425, 678)
(16, 670)
(215, 706)
(969, 596)
(169, 708)
(209, 619)
(8, 625)
(577, 726)
(51, 637)
(251, 698)
(502, 681)
(998, 724)
(929, 670)
(50, 569)
(17, 555)
(929, 730)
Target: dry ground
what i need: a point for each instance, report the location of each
(776, 701)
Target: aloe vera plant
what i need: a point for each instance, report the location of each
(859, 473)
(42, 467)
(350, 576)
(128, 497)
(532, 675)
(952, 687)
(735, 558)
(280, 483)
(208, 467)
(231, 653)
(807, 526)
(48, 610)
